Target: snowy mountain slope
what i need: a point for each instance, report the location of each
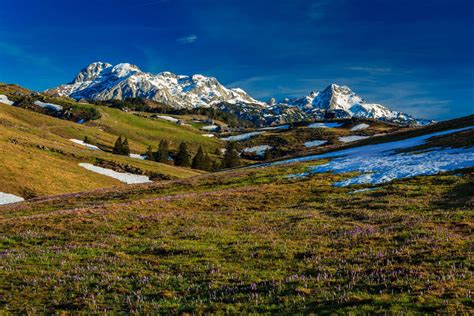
(103, 81)
(341, 102)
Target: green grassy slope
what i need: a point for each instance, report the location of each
(245, 241)
(37, 157)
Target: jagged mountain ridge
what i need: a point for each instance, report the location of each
(341, 102)
(103, 81)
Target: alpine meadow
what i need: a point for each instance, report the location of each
(236, 157)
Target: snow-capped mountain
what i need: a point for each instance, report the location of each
(103, 81)
(341, 102)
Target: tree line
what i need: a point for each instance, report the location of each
(183, 157)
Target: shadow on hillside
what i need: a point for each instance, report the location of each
(461, 195)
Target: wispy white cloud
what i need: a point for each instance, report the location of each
(371, 70)
(187, 39)
(20, 53)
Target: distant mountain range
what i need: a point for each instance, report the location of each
(102, 81)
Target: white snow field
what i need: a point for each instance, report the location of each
(80, 142)
(7, 198)
(360, 127)
(258, 150)
(272, 128)
(4, 99)
(325, 125)
(137, 156)
(210, 128)
(50, 106)
(242, 136)
(208, 135)
(380, 163)
(348, 139)
(121, 176)
(315, 143)
(167, 118)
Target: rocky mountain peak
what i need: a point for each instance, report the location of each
(91, 72)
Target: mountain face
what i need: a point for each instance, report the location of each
(341, 102)
(103, 81)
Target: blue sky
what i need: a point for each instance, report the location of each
(416, 56)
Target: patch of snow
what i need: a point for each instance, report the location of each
(360, 127)
(4, 99)
(80, 142)
(7, 198)
(128, 178)
(362, 190)
(348, 139)
(325, 125)
(315, 143)
(258, 150)
(167, 118)
(50, 106)
(271, 128)
(242, 136)
(138, 156)
(380, 163)
(210, 128)
(208, 135)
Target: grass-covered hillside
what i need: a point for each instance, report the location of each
(252, 240)
(38, 158)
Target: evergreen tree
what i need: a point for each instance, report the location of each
(199, 160)
(268, 154)
(125, 148)
(207, 163)
(121, 147)
(149, 155)
(163, 152)
(215, 166)
(231, 157)
(87, 139)
(183, 158)
(118, 147)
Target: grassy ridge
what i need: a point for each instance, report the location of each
(248, 241)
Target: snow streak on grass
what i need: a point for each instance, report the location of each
(121, 176)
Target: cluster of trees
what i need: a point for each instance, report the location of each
(183, 157)
(121, 147)
(199, 160)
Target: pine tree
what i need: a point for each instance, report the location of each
(215, 166)
(183, 158)
(163, 152)
(118, 147)
(199, 160)
(268, 154)
(149, 155)
(125, 148)
(87, 139)
(231, 157)
(207, 163)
